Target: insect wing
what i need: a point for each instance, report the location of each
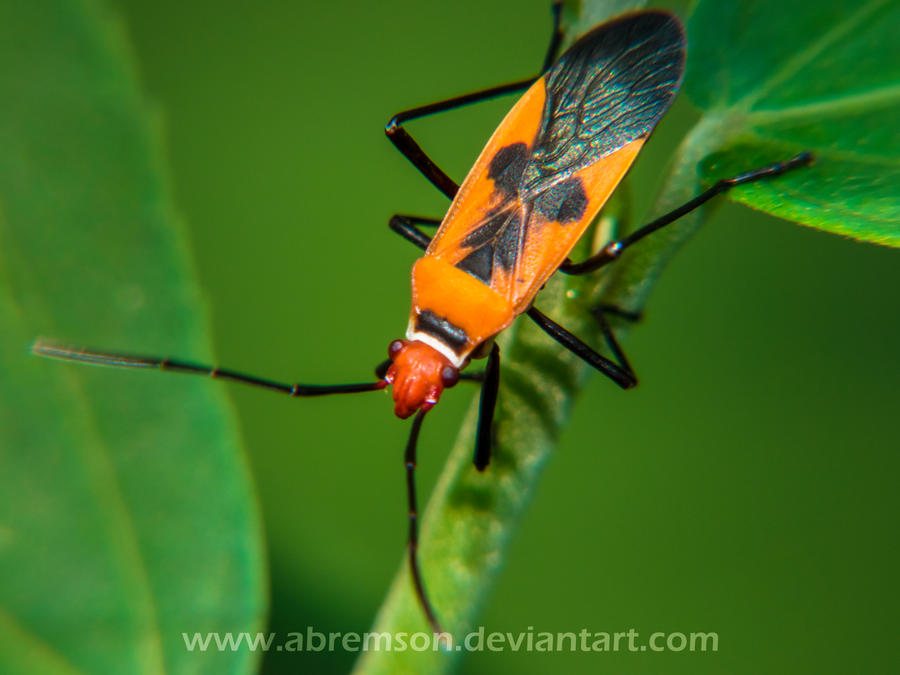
(560, 152)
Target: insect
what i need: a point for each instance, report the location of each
(538, 184)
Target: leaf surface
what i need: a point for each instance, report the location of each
(775, 79)
(126, 511)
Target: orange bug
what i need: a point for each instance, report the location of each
(538, 184)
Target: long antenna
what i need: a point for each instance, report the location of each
(413, 541)
(114, 360)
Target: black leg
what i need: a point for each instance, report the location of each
(405, 226)
(555, 39)
(620, 373)
(614, 249)
(413, 539)
(488, 403)
(609, 337)
(115, 360)
(600, 312)
(411, 149)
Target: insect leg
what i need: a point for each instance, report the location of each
(609, 336)
(413, 539)
(486, 406)
(620, 373)
(555, 39)
(115, 360)
(614, 249)
(600, 313)
(413, 151)
(405, 226)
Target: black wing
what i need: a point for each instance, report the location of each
(610, 88)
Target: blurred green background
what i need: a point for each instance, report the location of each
(747, 487)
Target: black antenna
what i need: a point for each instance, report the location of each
(413, 541)
(114, 360)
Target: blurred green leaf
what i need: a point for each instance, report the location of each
(778, 78)
(126, 513)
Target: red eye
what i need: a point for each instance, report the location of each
(449, 376)
(394, 348)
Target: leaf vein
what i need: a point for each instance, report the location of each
(793, 65)
(831, 106)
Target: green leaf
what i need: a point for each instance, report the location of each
(778, 78)
(126, 513)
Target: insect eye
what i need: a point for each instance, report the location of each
(449, 376)
(394, 348)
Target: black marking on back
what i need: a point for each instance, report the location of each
(479, 263)
(495, 241)
(509, 242)
(451, 335)
(609, 89)
(565, 202)
(507, 166)
(486, 231)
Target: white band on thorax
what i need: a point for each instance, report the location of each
(436, 344)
